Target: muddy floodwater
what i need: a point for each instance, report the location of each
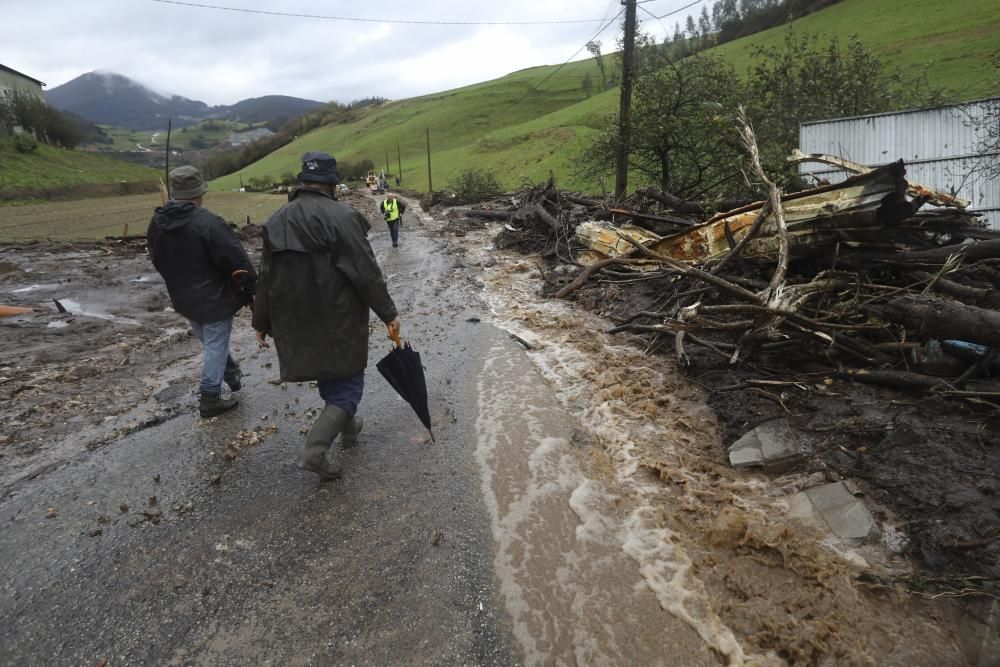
(633, 461)
(577, 508)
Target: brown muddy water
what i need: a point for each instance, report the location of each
(622, 535)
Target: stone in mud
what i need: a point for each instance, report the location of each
(835, 507)
(775, 444)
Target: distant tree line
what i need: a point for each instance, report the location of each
(731, 19)
(367, 102)
(30, 120)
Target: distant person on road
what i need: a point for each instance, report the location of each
(209, 278)
(393, 209)
(318, 280)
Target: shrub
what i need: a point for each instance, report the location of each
(475, 185)
(25, 143)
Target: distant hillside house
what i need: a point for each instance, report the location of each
(240, 139)
(12, 80)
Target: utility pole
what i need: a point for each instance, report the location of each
(387, 163)
(625, 104)
(430, 186)
(399, 163)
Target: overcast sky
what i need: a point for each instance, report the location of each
(220, 56)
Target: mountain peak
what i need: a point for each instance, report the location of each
(115, 99)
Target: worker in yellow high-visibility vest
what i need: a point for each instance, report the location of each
(393, 209)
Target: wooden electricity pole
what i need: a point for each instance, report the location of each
(625, 103)
(399, 163)
(430, 186)
(387, 164)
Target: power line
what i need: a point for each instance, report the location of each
(364, 20)
(676, 11)
(556, 70)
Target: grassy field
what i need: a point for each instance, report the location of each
(521, 134)
(107, 216)
(47, 170)
(949, 43)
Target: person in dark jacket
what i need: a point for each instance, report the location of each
(392, 210)
(209, 278)
(318, 280)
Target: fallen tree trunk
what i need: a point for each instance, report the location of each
(675, 203)
(692, 207)
(680, 222)
(976, 296)
(589, 203)
(968, 252)
(937, 317)
(895, 379)
(489, 215)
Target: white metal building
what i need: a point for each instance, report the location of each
(943, 148)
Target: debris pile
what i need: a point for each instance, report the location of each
(860, 320)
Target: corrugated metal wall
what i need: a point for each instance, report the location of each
(942, 149)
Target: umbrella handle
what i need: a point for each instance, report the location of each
(397, 340)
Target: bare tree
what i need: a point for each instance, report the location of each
(594, 47)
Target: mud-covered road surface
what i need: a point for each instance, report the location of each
(575, 509)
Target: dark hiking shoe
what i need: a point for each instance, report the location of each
(212, 405)
(235, 381)
(350, 433)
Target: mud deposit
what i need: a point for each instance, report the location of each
(620, 534)
(718, 546)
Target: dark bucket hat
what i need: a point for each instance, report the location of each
(319, 167)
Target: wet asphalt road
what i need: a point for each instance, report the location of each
(254, 561)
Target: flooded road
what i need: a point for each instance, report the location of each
(575, 508)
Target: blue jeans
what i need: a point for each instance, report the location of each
(216, 362)
(394, 231)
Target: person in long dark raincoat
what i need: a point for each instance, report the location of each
(318, 280)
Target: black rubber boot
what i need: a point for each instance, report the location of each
(350, 434)
(328, 426)
(212, 405)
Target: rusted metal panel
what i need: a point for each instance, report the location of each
(914, 189)
(850, 212)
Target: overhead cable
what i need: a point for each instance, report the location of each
(556, 70)
(366, 20)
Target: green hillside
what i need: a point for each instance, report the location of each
(54, 173)
(949, 43)
(485, 125)
(481, 126)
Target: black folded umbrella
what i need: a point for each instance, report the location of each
(403, 370)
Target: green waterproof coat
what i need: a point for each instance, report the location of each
(318, 279)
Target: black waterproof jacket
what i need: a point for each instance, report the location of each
(196, 252)
(318, 278)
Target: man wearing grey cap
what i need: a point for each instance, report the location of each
(209, 278)
(318, 280)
